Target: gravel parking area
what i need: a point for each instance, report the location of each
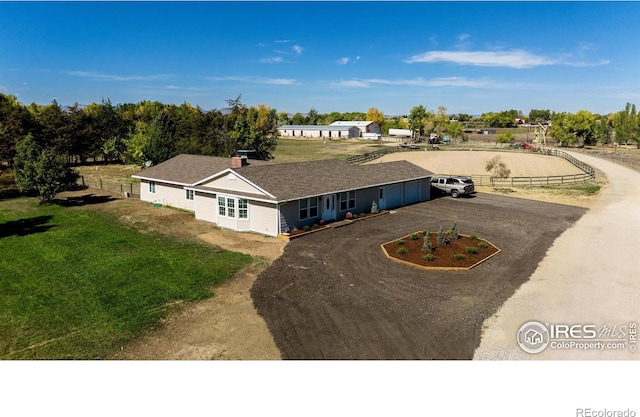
(334, 295)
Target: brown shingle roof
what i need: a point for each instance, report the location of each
(188, 169)
(287, 181)
(295, 180)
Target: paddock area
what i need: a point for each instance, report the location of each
(474, 162)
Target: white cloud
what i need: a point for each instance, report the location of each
(515, 58)
(277, 81)
(512, 59)
(342, 61)
(178, 88)
(463, 42)
(271, 60)
(297, 49)
(434, 82)
(111, 77)
(255, 80)
(351, 83)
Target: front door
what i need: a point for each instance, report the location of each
(329, 207)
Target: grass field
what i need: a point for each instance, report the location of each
(78, 284)
(295, 150)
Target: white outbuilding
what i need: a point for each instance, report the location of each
(363, 126)
(320, 131)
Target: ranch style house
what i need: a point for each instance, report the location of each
(271, 198)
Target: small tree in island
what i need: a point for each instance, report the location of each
(426, 246)
(442, 237)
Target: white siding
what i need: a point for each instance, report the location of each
(326, 132)
(167, 195)
(263, 218)
(227, 183)
(401, 132)
(206, 207)
(145, 195)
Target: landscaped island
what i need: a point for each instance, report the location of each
(440, 250)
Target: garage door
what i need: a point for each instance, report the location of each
(390, 196)
(412, 192)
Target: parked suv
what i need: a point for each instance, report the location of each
(456, 186)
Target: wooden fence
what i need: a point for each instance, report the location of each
(129, 189)
(588, 172)
(528, 181)
(370, 156)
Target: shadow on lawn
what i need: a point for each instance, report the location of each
(9, 193)
(25, 227)
(83, 200)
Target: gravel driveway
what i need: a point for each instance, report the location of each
(334, 295)
(591, 275)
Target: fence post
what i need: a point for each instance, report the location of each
(82, 176)
(101, 183)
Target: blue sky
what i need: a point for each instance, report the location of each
(471, 57)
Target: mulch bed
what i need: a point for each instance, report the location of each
(444, 256)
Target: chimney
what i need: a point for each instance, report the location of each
(238, 161)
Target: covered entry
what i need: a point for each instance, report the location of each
(329, 207)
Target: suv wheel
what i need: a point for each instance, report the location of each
(455, 193)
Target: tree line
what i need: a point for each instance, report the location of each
(153, 131)
(135, 133)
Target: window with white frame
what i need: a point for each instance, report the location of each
(232, 207)
(152, 187)
(189, 194)
(243, 208)
(308, 208)
(347, 200)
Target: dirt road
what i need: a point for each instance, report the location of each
(591, 275)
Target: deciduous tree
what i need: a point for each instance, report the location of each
(39, 168)
(15, 122)
(497, 168)
(627, 124)
(375, 115)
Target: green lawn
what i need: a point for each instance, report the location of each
(78, 284)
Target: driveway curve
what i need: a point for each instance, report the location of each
(334, 295)
(590, 275)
